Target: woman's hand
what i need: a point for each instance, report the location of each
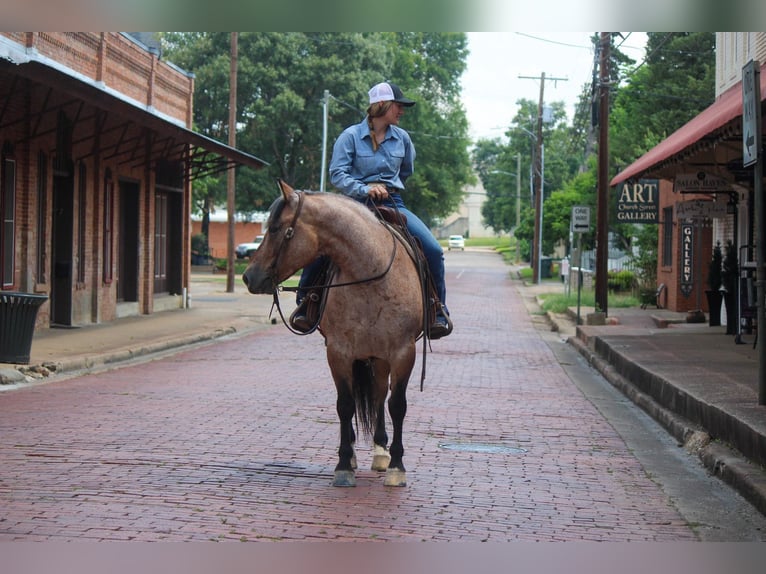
(377, 192)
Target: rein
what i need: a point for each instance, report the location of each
(289, 234)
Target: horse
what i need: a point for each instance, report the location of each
(372, 318)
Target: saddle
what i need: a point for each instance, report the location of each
(313, 304)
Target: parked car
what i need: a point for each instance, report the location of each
(456, 242)
(246, 250)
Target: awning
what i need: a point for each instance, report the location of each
(709, 125)
(137, 125)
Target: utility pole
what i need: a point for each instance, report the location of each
(537, 241)
(230, 180)
(518, 207)
(602, 216)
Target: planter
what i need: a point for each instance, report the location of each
(714, 299)
(730, 300)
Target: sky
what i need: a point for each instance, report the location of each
(491, 83)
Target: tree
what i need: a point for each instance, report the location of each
(282, 79)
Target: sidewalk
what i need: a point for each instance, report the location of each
(692, 378)
(213, 313)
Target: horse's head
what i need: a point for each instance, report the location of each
(281, 253)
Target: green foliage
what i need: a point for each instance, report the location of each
(644, 259)
(199, 244)
(281, 81)
(621, 281)
(560, 302)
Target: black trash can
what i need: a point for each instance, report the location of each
(18, 313)
(546, 267)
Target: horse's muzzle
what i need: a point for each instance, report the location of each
(258, 281)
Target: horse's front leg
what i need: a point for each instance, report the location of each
(396, 474)
(344, 471)
(380, 456)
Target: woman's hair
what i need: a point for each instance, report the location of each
(376, 110)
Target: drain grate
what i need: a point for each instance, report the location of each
(482, 447)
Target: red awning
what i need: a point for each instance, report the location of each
(726, 108)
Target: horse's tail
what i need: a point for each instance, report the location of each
(364, 395)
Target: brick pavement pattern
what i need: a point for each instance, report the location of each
(237, 441)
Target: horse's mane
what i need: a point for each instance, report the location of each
(276, 208)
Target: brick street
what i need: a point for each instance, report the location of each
(237, 440)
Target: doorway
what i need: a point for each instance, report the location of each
(61, 250)
(127, 264)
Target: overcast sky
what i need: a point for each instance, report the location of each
(491, 83)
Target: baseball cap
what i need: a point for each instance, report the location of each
(388, 92)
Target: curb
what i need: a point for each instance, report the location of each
(85, 363)
(744, 476)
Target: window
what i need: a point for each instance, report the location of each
(667, 236)
(8, 232)
(108, 226)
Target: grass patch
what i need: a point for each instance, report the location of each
(560, 302)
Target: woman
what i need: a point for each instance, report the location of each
(372, 160)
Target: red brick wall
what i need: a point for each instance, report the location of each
(219, 235)
(670, 275)
(122, 66)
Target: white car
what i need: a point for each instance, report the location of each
(246, 250)
(456, 242)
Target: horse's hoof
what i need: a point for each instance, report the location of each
(380, 458)
(395, 477)
(344, 478)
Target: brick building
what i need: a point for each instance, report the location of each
(95, 175)
(706, 155)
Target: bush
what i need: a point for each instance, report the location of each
(621, 281)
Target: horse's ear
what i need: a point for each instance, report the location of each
(287, 191)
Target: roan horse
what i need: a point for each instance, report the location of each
(372, 318)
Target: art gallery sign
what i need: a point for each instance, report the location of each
(638, 201)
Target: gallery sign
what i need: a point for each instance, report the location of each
(638, 201)
(687, 258)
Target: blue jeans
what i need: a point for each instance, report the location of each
(432, 250)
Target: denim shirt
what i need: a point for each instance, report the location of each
(354, 164)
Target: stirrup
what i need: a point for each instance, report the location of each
(438, 330)
(301, 319)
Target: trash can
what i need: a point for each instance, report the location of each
(546, 271)
(18, 313)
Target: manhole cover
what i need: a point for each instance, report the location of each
(482, 447)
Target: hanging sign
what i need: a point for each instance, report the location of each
(638, 201)
(700, 209)
(687, 258)
(700, 182)
(751, 107)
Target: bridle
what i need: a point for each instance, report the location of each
(286, 237)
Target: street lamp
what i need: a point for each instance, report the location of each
(518, 201)
(537, 250)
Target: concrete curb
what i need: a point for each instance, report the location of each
(744, 476)
(86, 363)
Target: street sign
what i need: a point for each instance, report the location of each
(751, 112)
(580, 218)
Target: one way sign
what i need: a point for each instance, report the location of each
(751, 112)
(580, 218)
